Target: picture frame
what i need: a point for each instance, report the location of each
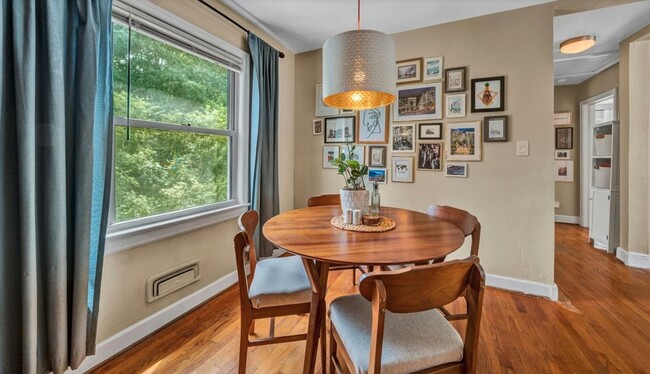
(378, 175)
(402, 138)
(322, 110)
(463, 141)
(488, 94)
(377, 156)
(343, 112)
(430, 156)
(564, 171)
(562, 118)
(372, 125)
(317, 127)
(429, 131)
(339, 129)
(402, 169)
(433, 69)
(408, 71)
(419, 102)
(359, 153)
(562, 154)
(456, 169)
(495, 129)
(564, 138)
(455, 79)
(330, 152)
(455, 105)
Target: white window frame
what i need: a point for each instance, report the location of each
(133, 233)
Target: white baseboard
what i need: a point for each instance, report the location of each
(567, 219)
(548, 291)
(633, 259)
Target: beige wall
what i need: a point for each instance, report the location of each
(567, 99)
(122, 301)
(512, 196)
(599, 83)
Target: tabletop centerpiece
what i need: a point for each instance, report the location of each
(354, 195)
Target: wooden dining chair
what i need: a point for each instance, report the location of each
(279, 287)
(394, 326)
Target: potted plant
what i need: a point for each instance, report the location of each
(354, 195)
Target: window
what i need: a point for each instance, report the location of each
(179, 102)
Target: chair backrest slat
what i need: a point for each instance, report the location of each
(323, 200)
(247, 224)
(241, 245)
(466, 222)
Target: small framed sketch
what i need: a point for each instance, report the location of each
(464, 141)
(562, 118)
(564, 171)
(402, 138)
(409, 71)
(562, 155)
(563, 137)
(495, 129)
(377, 156)
(359, 154)
(339, 129)
(323, 110)
(346, 112)
(433, 69)
(377, 175)
(430, 156)
(317, 128)
(418, 102)
(429, 131)
(488, 94)
(330, 152)
(455, 105)
(455, 79)
(456, 169)
(372, 126)
(402, 169)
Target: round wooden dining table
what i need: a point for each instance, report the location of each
(308, 233)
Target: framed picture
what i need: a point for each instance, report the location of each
(346, 111)
(562, 155)
(372, 126)
(564, 171)
(418, 102)
(377, 156)
(455, 79)
(323, 110)
(402, 138)
(488, 94)
(317, 128)
(495, 129)
(455, 105)
(429, 131)
(464, 141)
(359, 154)
(377, 175)
(409, 71)
(402, 169)
(433, 69)
(430, 156)
(339, 129)
(562, 118)
(564, 138)
(456, 169)
(330, 152)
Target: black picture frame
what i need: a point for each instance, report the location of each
(421, 129)
(463, 86)
(564, 138)
(486, 129)
(330, 122)
(501, 93)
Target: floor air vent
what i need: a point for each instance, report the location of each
(172, 280)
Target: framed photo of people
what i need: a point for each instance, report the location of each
(430, 156)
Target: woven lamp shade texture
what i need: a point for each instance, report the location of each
(359, 70)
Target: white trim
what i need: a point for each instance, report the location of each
(633, 259)
(567, 219)
(548, 291)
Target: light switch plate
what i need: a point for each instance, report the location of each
(522, 148)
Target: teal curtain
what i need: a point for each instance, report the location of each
(55, 146)
(264, 136)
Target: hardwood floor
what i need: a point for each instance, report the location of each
(600, 325)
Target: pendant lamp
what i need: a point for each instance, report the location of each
(359, 69)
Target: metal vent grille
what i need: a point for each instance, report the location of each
(171, 280)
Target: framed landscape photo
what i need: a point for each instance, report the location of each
(433, 69)
(455, 105)
(323, 110)
(488, 94)
(339, 129)
(377, 156)
(377, 175)
(430, 156)
(402, 169)
(495, 129)
(456, 169)
(402, 138)
(564, 171)
(409, 71)
(455, 79)
(317, 128)
(418, 102)
(429, 131)
(563, 137)
(372, 126)
(464, 141)
(562, 155)
(330, 152)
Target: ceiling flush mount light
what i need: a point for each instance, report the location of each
(578, 44)
(359, 69)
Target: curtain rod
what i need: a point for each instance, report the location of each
(247, 31)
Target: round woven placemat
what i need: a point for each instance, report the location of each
(386, 224)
